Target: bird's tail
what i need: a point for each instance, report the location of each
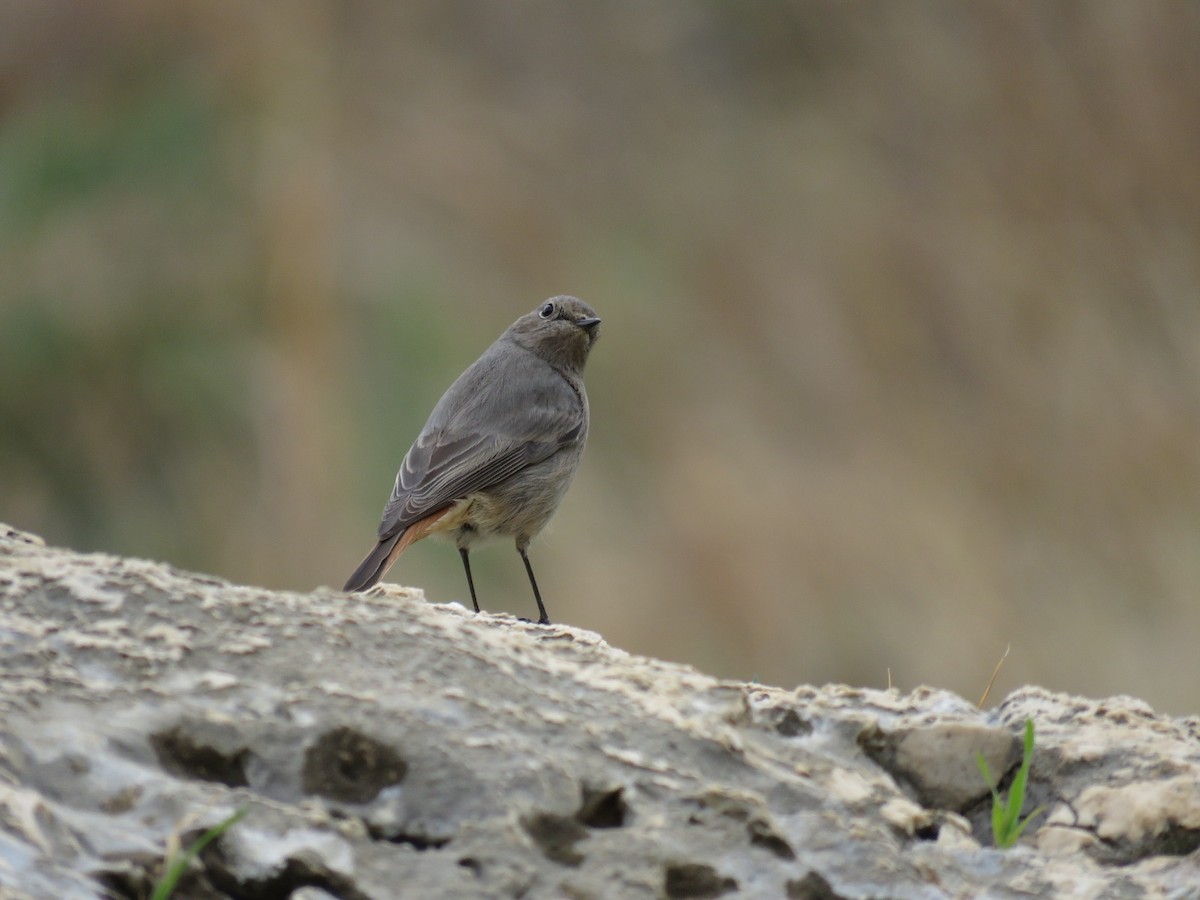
(378, 561)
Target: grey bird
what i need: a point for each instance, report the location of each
(500, 448)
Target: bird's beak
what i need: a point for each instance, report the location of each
(588, 322)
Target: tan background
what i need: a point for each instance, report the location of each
(901, 355)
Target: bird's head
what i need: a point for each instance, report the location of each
(561, 331)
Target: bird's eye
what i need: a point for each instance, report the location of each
(546, 311)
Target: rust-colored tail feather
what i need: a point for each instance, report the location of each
(371, 569)
(379, 560)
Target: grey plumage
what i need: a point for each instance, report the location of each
(500, 448)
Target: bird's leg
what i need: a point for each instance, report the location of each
(537, 595)
(462, 551)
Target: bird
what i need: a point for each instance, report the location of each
(500, 448)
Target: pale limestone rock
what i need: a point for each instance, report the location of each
(385, 746)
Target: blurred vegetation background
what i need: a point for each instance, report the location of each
(901, 354)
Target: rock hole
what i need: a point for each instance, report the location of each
(1176, 842)
(416, 841)
(134, 877)
(697, 880)
(472, 864)
(928, 832)
(202, 750)
(602, 808)
(764, 836)
(556, 836)
(122, 801)
(811, 887)
(787, 722)
(298, 872)
(347, 765)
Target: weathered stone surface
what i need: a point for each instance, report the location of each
(388, 747)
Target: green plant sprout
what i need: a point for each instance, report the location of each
(1007, 823)
(177, 862)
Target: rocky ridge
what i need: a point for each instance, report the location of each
(389, 747)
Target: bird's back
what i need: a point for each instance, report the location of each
(508, 411)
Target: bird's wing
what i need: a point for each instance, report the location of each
(451, 459)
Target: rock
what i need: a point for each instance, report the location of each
(938, 759)
(384, 746)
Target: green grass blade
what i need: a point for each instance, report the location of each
(997, 801)
(1007, 824)
(985, 772)
(1021, 825)
(999, 826)
(178, 863)
(1016, 795)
